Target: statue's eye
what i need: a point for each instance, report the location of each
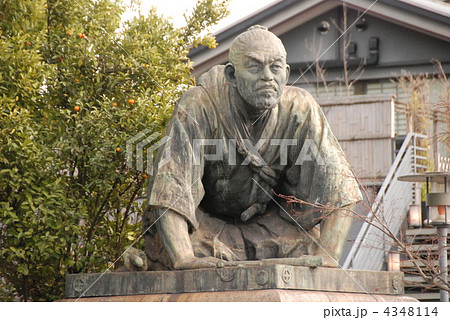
(276, 67)
(253, 67)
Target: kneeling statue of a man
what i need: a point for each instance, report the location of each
(234, 144)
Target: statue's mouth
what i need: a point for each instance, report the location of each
(267, 89)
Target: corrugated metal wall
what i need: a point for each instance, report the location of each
(365, 127)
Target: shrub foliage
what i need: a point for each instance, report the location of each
(75, 84)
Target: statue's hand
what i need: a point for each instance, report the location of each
(135, 260)
(196, 263)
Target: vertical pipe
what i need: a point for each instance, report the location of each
(436, 154)
(443, 263)
(415, 154)
(417, 193)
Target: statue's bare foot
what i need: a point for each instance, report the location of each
(196, 263)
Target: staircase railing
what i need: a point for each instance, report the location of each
(388, 210)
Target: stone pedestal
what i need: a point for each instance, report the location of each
(240, 283)
(269, 295)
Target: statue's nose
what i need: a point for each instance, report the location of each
(266, 74)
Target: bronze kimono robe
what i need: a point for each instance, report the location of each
(224, 177)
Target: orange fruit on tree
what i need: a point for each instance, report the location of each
(28, 43)
(115, 104)
(131, 101)
(76, 80)
(81, 35)
(76, 108)
(118, 149)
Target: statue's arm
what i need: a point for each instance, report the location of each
(174, 232)
(333, 233)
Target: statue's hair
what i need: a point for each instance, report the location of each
(254, 33)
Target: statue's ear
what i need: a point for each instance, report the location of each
(288, 72)
(229, 74)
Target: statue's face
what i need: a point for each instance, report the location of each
(261, 74)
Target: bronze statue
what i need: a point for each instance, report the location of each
(235, 143)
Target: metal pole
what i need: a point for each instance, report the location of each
(436, 154)
(443, 263)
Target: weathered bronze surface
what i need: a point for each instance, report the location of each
(236, 141)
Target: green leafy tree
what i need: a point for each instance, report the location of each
(75, 85)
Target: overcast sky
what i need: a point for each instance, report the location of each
(176, 8)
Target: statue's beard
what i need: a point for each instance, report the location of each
(260, 99)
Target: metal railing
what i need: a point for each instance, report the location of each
(388, 210)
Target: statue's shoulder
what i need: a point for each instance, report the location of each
(211, 89)
(191, 101)
(214, 77)
(193, 93)
(212, 84)
(298, 99)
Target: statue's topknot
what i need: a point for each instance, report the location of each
(257, 26)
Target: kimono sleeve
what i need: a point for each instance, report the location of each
(176, 182)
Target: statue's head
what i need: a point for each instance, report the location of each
(257, 67)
